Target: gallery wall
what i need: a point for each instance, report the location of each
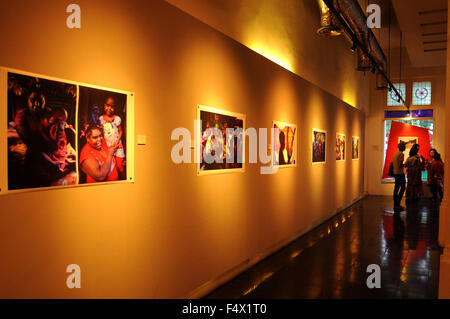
(171, 233)
(444, 221)
(287, 34)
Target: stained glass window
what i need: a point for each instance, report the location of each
(421, 93)
(393, 99)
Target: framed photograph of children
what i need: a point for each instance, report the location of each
(220, 141)
(285, 144)
(355, 147)
(45, 127)
(319, 139)
(340, 147)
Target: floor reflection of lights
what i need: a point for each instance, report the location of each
(338, 259)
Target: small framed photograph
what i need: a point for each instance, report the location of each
(319, 139)
(221, 141)
(340, 147)
(285, 144)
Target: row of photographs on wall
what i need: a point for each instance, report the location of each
(63, 133)
(285, 142)
(319, 142)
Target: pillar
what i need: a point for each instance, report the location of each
(444, 214)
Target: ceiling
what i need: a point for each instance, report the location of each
(388, 35)
(419, 27)
(423, 25)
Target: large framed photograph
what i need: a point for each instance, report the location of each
(221, 141)
(62, 133)
(355, 147)
(319, 139)
(285, 144)
(340, 147)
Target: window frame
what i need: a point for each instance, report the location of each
(389, 92)
(413, 92)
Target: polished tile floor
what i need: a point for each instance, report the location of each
(331, 261)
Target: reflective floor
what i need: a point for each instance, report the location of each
(331, 261)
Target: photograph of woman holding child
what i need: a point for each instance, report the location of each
(41, 133)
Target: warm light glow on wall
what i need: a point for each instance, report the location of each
(275, 45)
(272, 53)
(214, 72)
(282, 92)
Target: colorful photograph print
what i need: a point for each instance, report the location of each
(355, 147)
(409, 141)
(41, 132)
(102, 136)
(318, 146)
(340, 147)
(285, 144)
(221, 141)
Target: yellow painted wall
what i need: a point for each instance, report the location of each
(285, 32)
(375, 121)
(444, 220)
(170, 232)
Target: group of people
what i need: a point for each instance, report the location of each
(103, 156)
(49, 141)
(414, 166)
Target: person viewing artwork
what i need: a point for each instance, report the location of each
(41, 135)
(105, 111)
(398, 164)
(435, 168)
(409, 142)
